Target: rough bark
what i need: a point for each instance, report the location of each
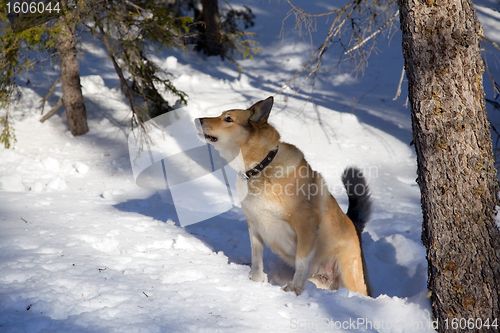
(211, 39)
(456, 170)
(70, 76)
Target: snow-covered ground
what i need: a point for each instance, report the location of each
(84, 249)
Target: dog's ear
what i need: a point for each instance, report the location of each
(261, 110)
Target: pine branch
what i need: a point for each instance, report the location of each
(128, 91)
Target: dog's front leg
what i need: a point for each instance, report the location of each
(257, 244)
(303, 259)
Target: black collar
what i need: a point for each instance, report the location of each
(265, 162)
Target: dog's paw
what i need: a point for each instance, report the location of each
(259, 277)
(290, 287)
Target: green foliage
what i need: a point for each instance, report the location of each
(243, 45)
(234, 39)
(239, 43)
(7, 136)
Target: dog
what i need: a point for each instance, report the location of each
(288, 206)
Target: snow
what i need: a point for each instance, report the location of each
(170, 63)
(83, 248)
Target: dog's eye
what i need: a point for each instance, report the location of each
(228, 119)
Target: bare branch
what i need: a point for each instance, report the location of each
(361, 17)
(301, 12)
(398, 92)
(53, 110)
(137, 8)
(43, 100)
(373, 34)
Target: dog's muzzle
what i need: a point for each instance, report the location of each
(201, 132)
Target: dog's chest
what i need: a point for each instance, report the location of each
(268, 219)
(260, 201)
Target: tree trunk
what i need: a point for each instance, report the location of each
(455, 162)
(70, 76)
(211, 39)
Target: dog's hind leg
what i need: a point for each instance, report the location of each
(351, 271)
(327, 276)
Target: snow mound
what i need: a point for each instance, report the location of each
(12, 183)
(92, 84)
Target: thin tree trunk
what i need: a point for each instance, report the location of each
(212, 38)
(70, 76)
(456, 170)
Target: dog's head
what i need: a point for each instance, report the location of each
(234, 126)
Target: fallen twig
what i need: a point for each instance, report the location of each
(43, 100)
(53, 110)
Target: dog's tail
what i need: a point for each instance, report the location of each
(360, 204)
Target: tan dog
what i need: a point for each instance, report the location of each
(288, 205)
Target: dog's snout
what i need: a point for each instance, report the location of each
(198, 122)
